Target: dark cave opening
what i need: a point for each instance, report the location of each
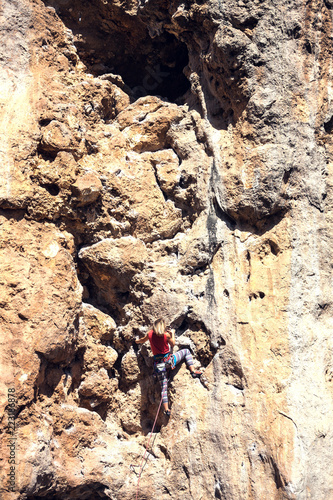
(162, 76)
(109, 41)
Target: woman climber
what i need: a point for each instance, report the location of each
(162, 342)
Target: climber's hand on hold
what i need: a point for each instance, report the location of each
(171, 337)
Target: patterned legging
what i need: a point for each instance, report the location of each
(163, 377)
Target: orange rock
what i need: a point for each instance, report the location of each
(86, 189)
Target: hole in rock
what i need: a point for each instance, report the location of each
(328, 126)
(218, 489)
(218, 493)
(44, 122)
(109, 40)
(286, 176)
(53, 189)
(308, 47)
(185, 180)
(323, 307)
(46, 155)
(250, 23)
(294, 32)
(274, 247)
(256, 296)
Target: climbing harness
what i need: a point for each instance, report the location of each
(163, 362)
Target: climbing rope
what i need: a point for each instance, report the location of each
(144, 453)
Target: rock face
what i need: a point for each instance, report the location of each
(166, 159)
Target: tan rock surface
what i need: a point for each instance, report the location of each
(130, 191)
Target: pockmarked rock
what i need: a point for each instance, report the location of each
(130, 367)
(86, 189)
(97, 324)
(57, 137)
(114, 262)
(166, 159)
(41, 299)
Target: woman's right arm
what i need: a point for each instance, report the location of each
(171, 337)
(143, 340)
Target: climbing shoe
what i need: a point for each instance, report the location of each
(196, 374)
(167, 413)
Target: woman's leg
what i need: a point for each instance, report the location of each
(180, 355)
(162, 377)
(185, 353)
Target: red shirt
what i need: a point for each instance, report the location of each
(158, 344)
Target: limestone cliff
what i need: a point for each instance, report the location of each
(166, 158)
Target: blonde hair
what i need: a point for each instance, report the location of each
(159, 327)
